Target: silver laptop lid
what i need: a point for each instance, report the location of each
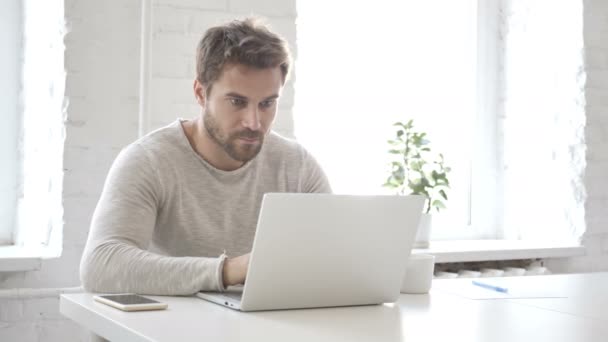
(319, 250)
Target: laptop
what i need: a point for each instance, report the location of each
(326, 250)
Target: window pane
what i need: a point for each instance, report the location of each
(10, 45)
(384, 62)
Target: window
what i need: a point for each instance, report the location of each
(39, 203)
(10, 61)
(362, 69)
(32, 131)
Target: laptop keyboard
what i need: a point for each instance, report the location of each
(233, 295)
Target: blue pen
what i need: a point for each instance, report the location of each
(490, 287)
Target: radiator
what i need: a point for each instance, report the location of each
(490, 269)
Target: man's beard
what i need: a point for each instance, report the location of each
(229, 144)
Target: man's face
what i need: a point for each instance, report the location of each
(240, 108)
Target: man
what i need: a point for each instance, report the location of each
(179, 200)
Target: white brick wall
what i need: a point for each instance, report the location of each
(177, 26)
(595, 14)
(543, 119)
(102, 62)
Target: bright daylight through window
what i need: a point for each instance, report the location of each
(32, 131)
(394, 61)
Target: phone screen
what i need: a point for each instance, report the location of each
(129, 299)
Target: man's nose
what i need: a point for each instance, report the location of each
(252, 119)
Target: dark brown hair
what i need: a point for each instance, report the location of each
(247, 42)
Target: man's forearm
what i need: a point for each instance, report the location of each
(120, 267)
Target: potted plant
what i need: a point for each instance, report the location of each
(416, 170)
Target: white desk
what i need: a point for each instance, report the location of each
(438, 316)
(587, 296)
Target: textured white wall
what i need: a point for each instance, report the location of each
(177, 26)
(595, 238)
(543, 119)
(102, 61)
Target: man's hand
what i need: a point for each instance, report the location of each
(235, 270)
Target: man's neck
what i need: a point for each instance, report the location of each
(208, 148)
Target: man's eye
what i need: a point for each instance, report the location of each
(237, 102)
(267, 103)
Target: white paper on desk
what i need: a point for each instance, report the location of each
(519, 291)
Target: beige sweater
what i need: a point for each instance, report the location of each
(166, 216)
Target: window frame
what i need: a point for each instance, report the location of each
(11, 26)
(485, 193)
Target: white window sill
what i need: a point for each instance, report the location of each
(487, 250)
(13, 258)
(16, 258)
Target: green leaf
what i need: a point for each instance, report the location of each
(390, 185)
(438, 204)
(416, 187)
(434, 175)
(425, 182)
(391, 182)
(399, 175)
(415, 165)
(443, 194)
(395, 151)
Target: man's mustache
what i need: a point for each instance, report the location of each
(249, 134)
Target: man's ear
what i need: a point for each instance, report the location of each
(199, 93)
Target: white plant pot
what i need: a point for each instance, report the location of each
(423, 236)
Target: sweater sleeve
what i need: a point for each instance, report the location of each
(313, 178)
(116, 259)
